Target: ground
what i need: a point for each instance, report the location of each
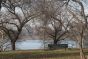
(41, 54)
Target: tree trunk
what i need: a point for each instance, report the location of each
(55, 42)
(13, 45)
(82, 55)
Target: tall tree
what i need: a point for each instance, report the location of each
(79, 24)
(12, 21)
(53, 14)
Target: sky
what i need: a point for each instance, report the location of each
(86, 6)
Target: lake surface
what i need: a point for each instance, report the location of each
(39, 44)
(30, 44)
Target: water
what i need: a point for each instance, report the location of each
(30, 44)
(39, 44)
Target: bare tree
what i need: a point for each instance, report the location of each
(56, 32)
(79, 24)
(52, 12)
(77, 32)
(13, 22)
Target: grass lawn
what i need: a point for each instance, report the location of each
(41, 54)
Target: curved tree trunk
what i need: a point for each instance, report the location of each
(82, 55)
